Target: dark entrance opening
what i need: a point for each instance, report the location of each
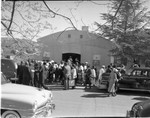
(65, 57)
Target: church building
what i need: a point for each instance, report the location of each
(78, 44)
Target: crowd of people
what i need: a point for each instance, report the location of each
(39, 73)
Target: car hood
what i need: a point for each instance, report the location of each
(21, 95)
(11, 88)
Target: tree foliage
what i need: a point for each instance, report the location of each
(26, 19)
(126, 25)
(20, 49)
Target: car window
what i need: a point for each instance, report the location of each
(8, 64)
(144, 73)
(133, 73)
(136, 72)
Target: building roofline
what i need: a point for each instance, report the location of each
(59, 32)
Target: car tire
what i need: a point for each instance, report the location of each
(7, 114)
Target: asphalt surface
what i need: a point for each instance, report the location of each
(80, 102)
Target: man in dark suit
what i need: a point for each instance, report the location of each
(20, 72)
(26, 74)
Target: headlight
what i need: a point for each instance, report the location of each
(140, 108)
(135, 106)
(50, 99)
(34, 107)
(51, 95)
(137, 109)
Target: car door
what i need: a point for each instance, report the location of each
(142, 79)
(131, 81)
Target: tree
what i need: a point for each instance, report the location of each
(20, 50)
(124, 25)
(26, 19)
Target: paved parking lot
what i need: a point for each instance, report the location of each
(94, 102)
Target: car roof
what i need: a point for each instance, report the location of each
(141, 68)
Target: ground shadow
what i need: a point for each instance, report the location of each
(102, 95)
(95, 89)
(95, 92)
(133, 93)
(55, 89)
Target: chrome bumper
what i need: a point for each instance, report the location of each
(45, 112)
(53, 106)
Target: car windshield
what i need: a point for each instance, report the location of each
(4, 80)
(8, 64)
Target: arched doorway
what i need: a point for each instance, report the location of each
(65, 56)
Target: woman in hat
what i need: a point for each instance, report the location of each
(112, 81)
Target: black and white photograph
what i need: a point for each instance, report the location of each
(75, 58)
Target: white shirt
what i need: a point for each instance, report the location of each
(74, 73)
(93, 72)
(101, 71)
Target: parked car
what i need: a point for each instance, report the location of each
(9, 68)
(21, 101)
(137, 80)
(139, 110)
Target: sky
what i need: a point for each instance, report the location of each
(83, 13)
